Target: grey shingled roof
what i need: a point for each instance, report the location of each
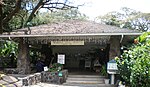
(74, 27)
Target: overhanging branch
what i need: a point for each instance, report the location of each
(38, 6)
(49, 4)
(58, 5)
(16, 10)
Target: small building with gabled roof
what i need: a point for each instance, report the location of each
(78, 40)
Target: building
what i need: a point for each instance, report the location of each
(80, 41)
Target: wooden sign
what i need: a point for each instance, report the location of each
(67, 42)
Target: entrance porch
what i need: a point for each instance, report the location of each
(82, 58)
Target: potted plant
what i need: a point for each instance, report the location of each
(104, 73)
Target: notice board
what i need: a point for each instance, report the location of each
(61, 59)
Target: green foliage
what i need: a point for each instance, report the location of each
(143, 37)
(60, 15)
(110, 18)
(134, 64)
(18, 18)
(104, 70)
(55, 67)
(127, 18)
(8, 47)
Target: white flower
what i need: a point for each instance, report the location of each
(130, 56)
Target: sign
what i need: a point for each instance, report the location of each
(45, 68)
(61, 59)
(60, 74)
(112, 66)
(67, 42)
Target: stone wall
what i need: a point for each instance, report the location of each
(31, 79)
(54, 77)
(46, 77)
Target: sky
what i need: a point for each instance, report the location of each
(94, 8)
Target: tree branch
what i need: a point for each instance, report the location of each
(38, 6)
(58, 5)
(48, 4)
(16, 10)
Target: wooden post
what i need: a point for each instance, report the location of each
(114, 47)
(23, 62)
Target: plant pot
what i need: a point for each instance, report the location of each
(106, 81)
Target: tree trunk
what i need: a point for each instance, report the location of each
(1, 17)
(114, 47)
(23, 62)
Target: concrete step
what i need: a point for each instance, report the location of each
(88, 85)
(85, 79)
(85, 76)
(84, 82)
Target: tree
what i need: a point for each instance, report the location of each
(13, 9)
(60, 15)
(19, 13)
(135, 62)
(127, 18)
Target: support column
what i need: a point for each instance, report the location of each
(114, 47)
(23, 61)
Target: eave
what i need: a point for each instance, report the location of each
(61, 35)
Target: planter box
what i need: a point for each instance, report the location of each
(54, 77)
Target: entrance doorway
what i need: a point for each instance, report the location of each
(80, 59)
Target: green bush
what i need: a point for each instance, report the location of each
(55, 67)
(8, 47)
(134, 64)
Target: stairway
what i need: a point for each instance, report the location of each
(86, 81)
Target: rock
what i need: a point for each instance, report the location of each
(9, 81)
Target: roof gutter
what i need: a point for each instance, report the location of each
(53, 35)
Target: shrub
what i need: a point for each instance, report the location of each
(134, 64)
